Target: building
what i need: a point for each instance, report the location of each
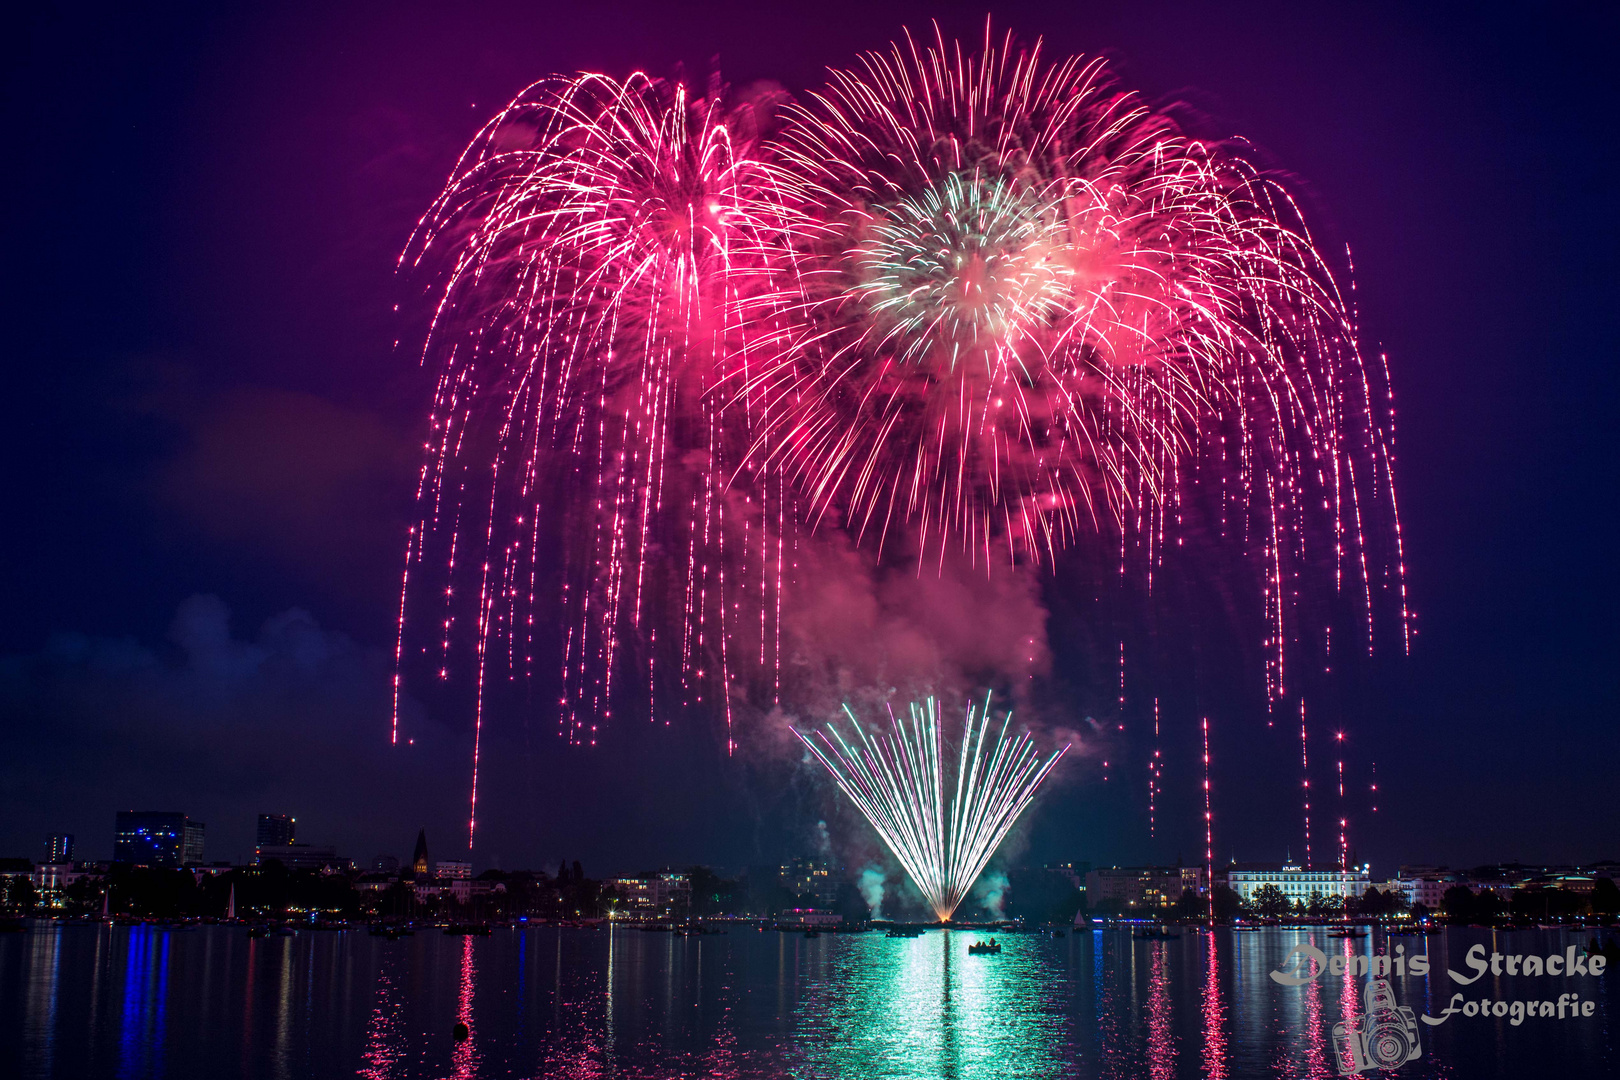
(1142, 887)
(157, 838)
(302, 856)
(419, 858)
(1073, 873)
(51, 881)
(810, 917)
(276, 830)
(1425, 885)
(1297, 883)
(385, 864)
(452, 870)
(816, 878)
(61, 849)
(664, 893)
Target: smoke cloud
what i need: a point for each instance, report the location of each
(870, 883)
(991, 892)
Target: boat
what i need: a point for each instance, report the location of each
(258, 931)
(985, 948)
(468, 929)
(1348, 932)
(812, 932)
(904, 931)
(1154, 933)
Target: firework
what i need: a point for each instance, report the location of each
(943, 829)
(1018, 308)
(958, 300)
(589, 238)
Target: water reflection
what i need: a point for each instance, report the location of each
(922, 1007)
(102, 1002)
(383, 1036)
(1214, 1012)
(39, 1018)
(465, 1057)
(1161, 1049)
(146, 985)
(1316, 1063)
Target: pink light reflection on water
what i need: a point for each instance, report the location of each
(1316, 1063)
(1161, 1048)
(465, 1055)
(383, 1046)
(1214, 1013)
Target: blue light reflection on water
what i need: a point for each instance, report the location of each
(144, 1002)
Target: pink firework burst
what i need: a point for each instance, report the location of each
(587, 245)
(1016, 307)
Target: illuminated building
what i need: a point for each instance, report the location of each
(157, 838)
(1297, 883)
(276, 830)
(666, 892)
(61, 849)
(1142, 886)
(812, 877)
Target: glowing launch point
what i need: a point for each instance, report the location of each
(942, 832)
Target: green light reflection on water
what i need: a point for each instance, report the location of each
(922, 1007)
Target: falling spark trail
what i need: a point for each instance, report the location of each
(1209, 831)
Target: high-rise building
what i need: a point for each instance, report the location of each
(276, 830)
(813, 877)
(61, 849)
(157, 838)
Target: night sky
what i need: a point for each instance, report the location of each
(210, 441)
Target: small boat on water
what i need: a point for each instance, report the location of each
(904, 931)
(468, 929)
(1348, 932)
(1154, 933)
(812, 933)
(985, 948)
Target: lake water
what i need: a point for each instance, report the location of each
(103, 1001)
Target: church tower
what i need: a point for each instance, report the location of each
(419, 859)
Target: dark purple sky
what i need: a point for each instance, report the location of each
(210, 427)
